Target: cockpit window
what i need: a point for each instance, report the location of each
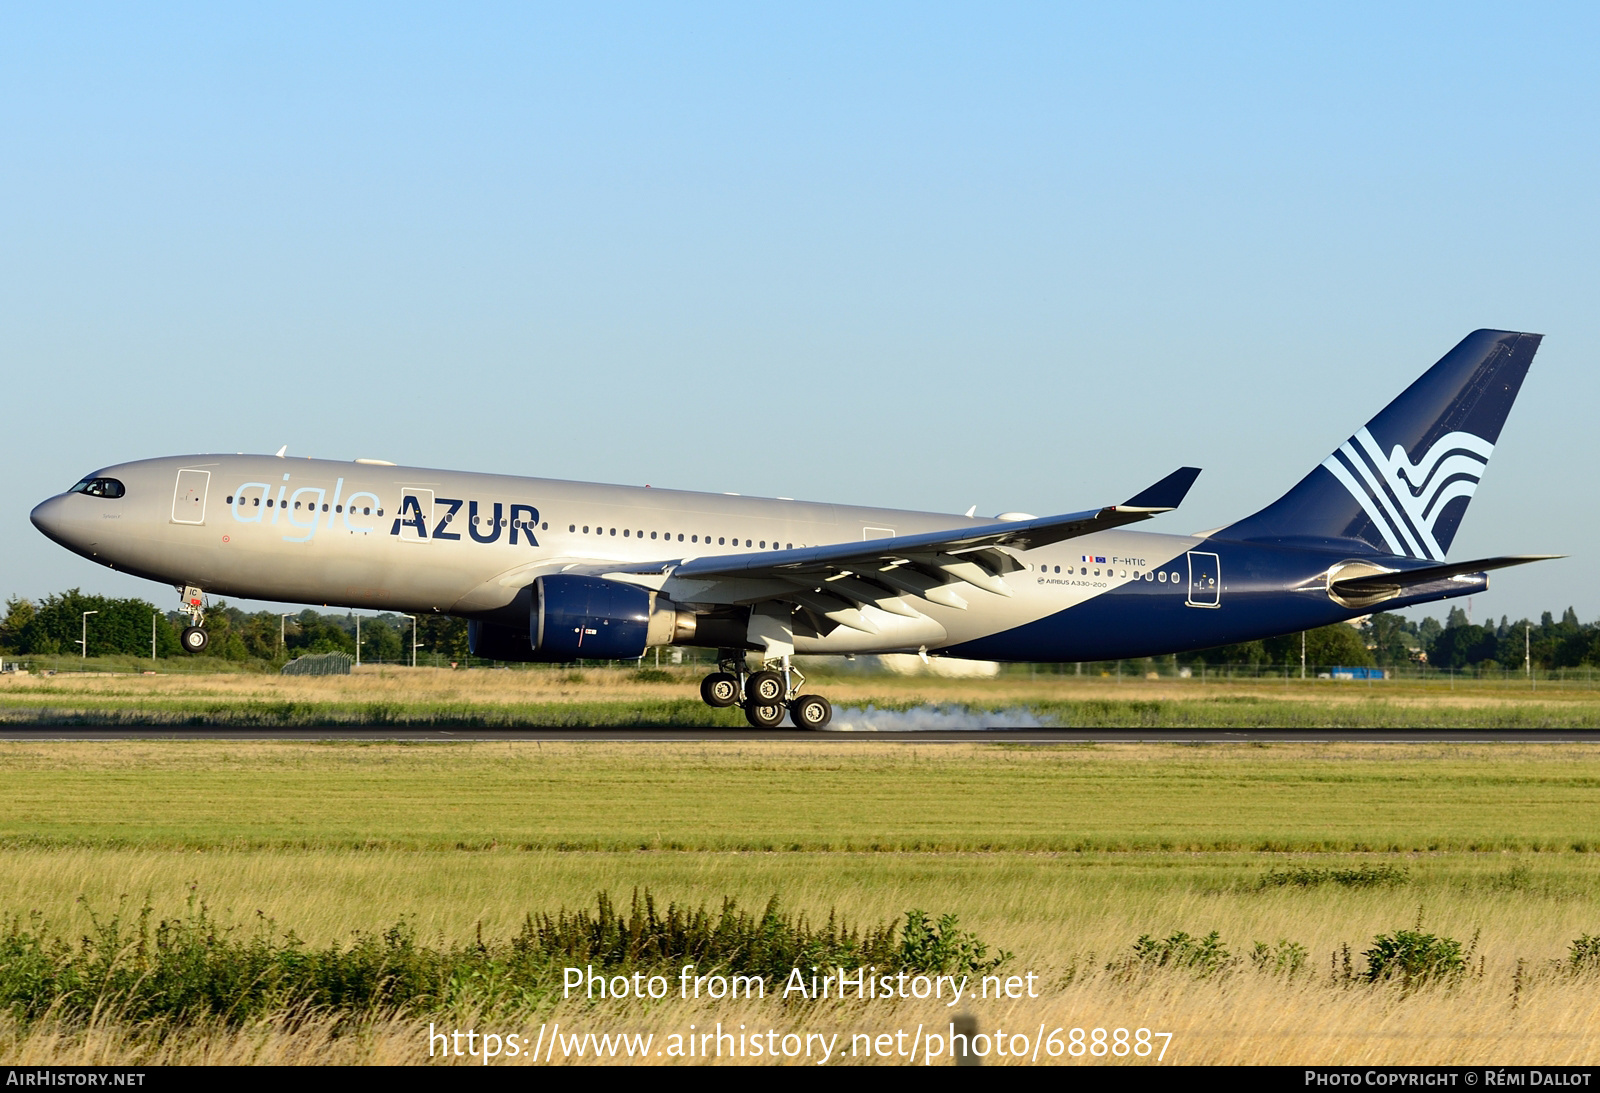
(99, 487)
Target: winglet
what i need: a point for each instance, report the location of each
(1165, 495)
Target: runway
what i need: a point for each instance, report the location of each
(40, 733)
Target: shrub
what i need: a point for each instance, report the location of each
(1365, 876)
(768, 944)
(1286, 958)
(1414, 957)
(193, 967)
(1584, 955)
(1202, 955)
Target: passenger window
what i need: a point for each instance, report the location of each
(230, 500)
(722, 541)
(613, 531)
(624, 533)
(586, 529)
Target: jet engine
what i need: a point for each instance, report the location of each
(584, 618)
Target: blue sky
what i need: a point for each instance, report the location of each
(1028, 257)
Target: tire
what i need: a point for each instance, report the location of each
(763, 716)
(194, 640)
(810, 712)
(765, 687)
(720, 689)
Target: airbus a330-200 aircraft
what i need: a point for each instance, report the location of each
(558, 571)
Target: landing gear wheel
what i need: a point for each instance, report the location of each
(765, 688)
(720, 689)
(811, 712)
(763, 716)
(194, 639)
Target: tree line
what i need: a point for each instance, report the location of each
(1389, 640)
(54, 626)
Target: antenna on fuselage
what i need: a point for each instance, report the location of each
(282, 450)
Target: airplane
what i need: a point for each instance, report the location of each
(558, 571)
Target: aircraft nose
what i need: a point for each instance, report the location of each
(49, 517)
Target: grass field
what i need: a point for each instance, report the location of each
(614, 696)
(1062, 856)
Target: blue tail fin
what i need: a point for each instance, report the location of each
(1401, 484)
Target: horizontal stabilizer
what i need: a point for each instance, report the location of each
(1372, 584)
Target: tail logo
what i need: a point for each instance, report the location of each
(1402, 498)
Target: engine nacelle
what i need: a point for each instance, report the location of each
(589, 618)
(584, 618)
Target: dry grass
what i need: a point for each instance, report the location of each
(1053, 911)
(1243, 1019)
(509, 688)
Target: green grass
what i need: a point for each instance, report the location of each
(803, 797)
(70, 709)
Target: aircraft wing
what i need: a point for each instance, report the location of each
(836, 580)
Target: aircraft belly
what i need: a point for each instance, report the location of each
(1263, 592)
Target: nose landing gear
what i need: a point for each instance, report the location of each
(194, 639)
(766, 695)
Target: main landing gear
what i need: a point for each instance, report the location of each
(194, 639)
(766, 695)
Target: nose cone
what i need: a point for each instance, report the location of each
(50, 517)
